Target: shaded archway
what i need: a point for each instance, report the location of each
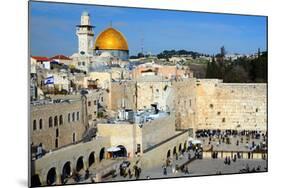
(175, 150)
(66, 171)
(51, 176)
(122, 152)
(102, 152)
(180, 148)
(169, 153)
(91, 159)
(79, 164)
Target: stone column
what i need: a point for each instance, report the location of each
(85, 164)
(58, 178)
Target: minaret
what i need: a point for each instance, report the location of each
(85, 35)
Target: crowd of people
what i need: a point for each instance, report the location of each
(228, 132)
(255, 141)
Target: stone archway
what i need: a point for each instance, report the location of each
(175, 150)
(91, 159)
(102, 153)
(66, 171)
(169, 153)
(79, 164)
(122, 152)
(180, 148)
(51, 176)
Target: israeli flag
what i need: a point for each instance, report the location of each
(49, 80)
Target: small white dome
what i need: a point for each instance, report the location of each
(106, 54)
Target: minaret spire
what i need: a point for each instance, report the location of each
(85, 34)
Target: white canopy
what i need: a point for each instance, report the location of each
(113, 149)
(196, 141)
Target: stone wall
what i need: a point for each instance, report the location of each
(122, 134)
(130, 135)
(184, 103)
(158, 155)
(232, 106)
(123, 93)
(153, 91)
(158, 130)
(220, 105)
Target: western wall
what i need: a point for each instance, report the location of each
(216, 105)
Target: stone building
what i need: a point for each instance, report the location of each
(168, 72)
(123, 95)
(63, 119)
(141, 93)
(55, 124)
(62, 59)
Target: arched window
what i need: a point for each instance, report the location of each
(77, 116)
(73, 116)
(57, 143)
(56, 121)
(61, 120)
(50, 122)
(68, 118)
(73, 137)
(34, 125)
(40, 124)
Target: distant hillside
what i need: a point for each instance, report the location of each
(166, 54)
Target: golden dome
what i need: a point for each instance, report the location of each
(111, 39)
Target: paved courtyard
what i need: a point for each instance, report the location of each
(202, 167)
(197, 167)
(237, 143)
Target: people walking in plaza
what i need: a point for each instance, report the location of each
(186, 169)
(173, 169)
(130, 173)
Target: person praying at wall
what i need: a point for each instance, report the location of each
(234, 159)
(229, 161)
(165, 170)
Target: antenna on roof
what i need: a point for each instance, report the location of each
(142, 42)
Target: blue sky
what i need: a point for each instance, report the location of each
(52, 29)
